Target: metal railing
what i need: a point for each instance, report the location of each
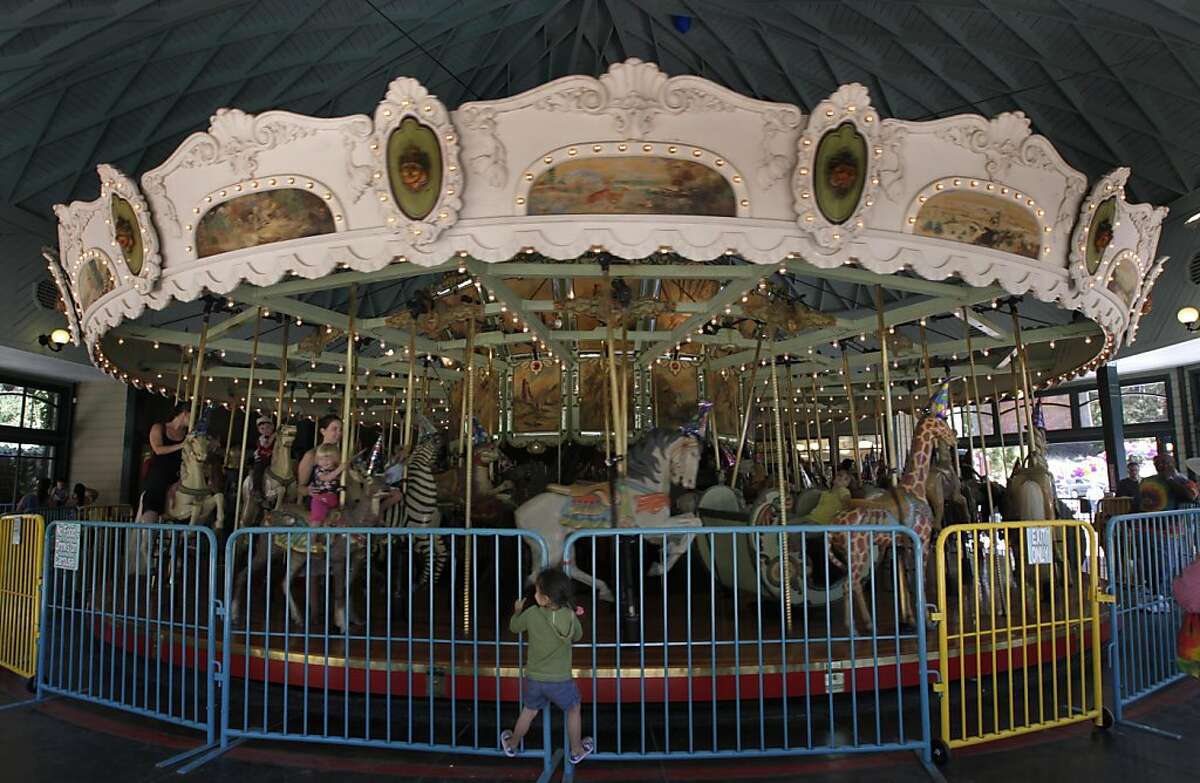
(119, 512)
(127, 620)
(375, 637)
(1019, 629)
(21, 537)
(805, 679)
(1146, 553)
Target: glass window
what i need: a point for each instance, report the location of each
(12, 402)
(1056, 411)
(969, 419)
(1144, 403)
(35, 409)
(1089, 409)
(1009, 413)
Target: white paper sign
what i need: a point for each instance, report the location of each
(1039, 546)
(66, 547)
(835, 682)
(16, 532)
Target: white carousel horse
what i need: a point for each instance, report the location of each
(278, 482)
(661, 458)
(1031, 497)
(193, 499)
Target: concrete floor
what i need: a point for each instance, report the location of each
(63, 740)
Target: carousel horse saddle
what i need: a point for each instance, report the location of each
(599, 489)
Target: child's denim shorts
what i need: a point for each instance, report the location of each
(563, 695)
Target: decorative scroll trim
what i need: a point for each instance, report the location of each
(70, 307)
(851, 103)
(237, 139)
(408, 98)
(113, 181)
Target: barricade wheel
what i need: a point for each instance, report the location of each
(31, 685)
(1106, 719)
(940, 752)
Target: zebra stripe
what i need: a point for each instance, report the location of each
(418, 507)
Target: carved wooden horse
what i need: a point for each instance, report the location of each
(194, 499)
(905, 505)
(279, 479)
(945, 488)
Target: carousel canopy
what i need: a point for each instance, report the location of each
(127, 85)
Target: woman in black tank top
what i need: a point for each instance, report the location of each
(166, 441)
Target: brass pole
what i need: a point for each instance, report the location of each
(737, 461)
(710, 383)
(392, 423)
(925, 362)
(853, 411)
(179, 373)
(889, 432)
(237, 503)
(605, 395)
(820, 438)
(348, 393)
(785, 585)
(410, 389)
(468, 410)
(199, 371)
(987, 478)
(624, 398)
(229, 432)
(283, 373)
(1024, 375)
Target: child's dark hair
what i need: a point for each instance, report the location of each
(556, 585)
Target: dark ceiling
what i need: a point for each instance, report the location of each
(1110, 82)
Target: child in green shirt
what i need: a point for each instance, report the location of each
(833, 501)
(550, 628)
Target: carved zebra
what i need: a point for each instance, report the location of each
(417, 506)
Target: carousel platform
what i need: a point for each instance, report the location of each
(691, 647)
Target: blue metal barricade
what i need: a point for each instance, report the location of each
(724, 661)
(127, 620)
(1146, 552)
(377, 637)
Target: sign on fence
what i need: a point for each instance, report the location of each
(16, 532)
(1039, 546)
(66, 546)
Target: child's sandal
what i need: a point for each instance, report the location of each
(506, 744)
(588, 744)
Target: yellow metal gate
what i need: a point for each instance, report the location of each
(1019, 633)
(21, 537)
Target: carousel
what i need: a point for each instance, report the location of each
(632, 301)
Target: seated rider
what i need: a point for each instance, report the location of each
(833, 501)
(264, 447)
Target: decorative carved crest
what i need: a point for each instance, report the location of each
(408, 98)
(1007, 139)
(851, 104)
(634, 93)
(234, 137)
(1111, 185)
(444, 316)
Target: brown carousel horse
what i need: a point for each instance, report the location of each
(489, 502)
(945, 490)
(905, 505)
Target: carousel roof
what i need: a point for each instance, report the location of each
(126, 83)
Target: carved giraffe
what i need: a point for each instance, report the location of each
(905, 505)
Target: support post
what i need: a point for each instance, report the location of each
(889, 431)
(1112, 414)
(853, 413)
(469, 447)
